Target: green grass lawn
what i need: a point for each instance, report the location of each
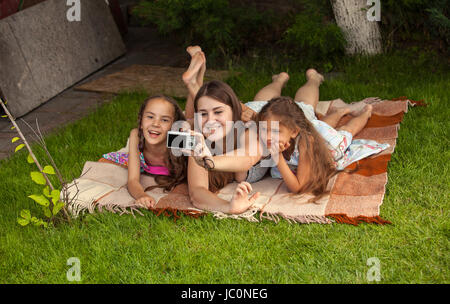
(150, 249)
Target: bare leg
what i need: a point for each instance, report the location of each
(190, 76)
(194, 72)
(309, 92)
(333, 118)
(355, 125)
(192, 50)
(273, 89)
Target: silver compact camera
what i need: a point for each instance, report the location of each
(180, 140)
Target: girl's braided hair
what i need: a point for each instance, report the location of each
(177, 164)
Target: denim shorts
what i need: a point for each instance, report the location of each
(256, 173)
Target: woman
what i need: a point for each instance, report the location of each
(216, 104)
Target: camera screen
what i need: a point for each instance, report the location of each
(176, 141)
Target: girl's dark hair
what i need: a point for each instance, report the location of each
(177, 164)
(223, 93)
(310, 141)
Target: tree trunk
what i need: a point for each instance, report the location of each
(362, 36)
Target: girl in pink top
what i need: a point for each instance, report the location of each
(148, 152)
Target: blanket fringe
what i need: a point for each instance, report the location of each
(173, 212)
(79, 208)
(344, 219)
(302, 219)
(76, 208)
(251, 216)
(417, 103)
(308, 219)
(248, 215)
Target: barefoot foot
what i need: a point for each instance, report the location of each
(312, 74)
(368, 110)
(192, 50)
(282, 77)
(343, 111)
(190, 76)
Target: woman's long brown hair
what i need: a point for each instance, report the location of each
(309, 140)
(177, 164)
(223, 93)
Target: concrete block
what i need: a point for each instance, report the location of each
(42, 53)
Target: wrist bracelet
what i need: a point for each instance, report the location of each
(208, 163)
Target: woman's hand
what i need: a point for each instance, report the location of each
(240, 201)
(146, 201)
(201, 153)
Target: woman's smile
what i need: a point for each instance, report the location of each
(214, 116)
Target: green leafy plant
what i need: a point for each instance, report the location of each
(439, 23)
(218, 26)
(315, 38)
(314, 35)
(49, 198)
(416, 20)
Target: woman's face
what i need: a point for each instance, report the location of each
(214, 116)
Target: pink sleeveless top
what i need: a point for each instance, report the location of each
(122, 158)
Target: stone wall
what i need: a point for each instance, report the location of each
(42, 53)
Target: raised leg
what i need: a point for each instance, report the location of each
(192, 76)
(192, 50)
(273, 89)
(309, 92)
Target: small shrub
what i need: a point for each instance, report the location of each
(49, 198)
(217, 26)
(314, 39)
(416, 20)
(439, 24)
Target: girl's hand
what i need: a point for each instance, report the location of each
(284, 147)
(277, 150)
(146, 201)
(240, 201)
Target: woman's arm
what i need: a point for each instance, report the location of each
(249, 152)
(238, 163)
(200, 195)
(294, 182)
(134, 170)
(204, 199)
